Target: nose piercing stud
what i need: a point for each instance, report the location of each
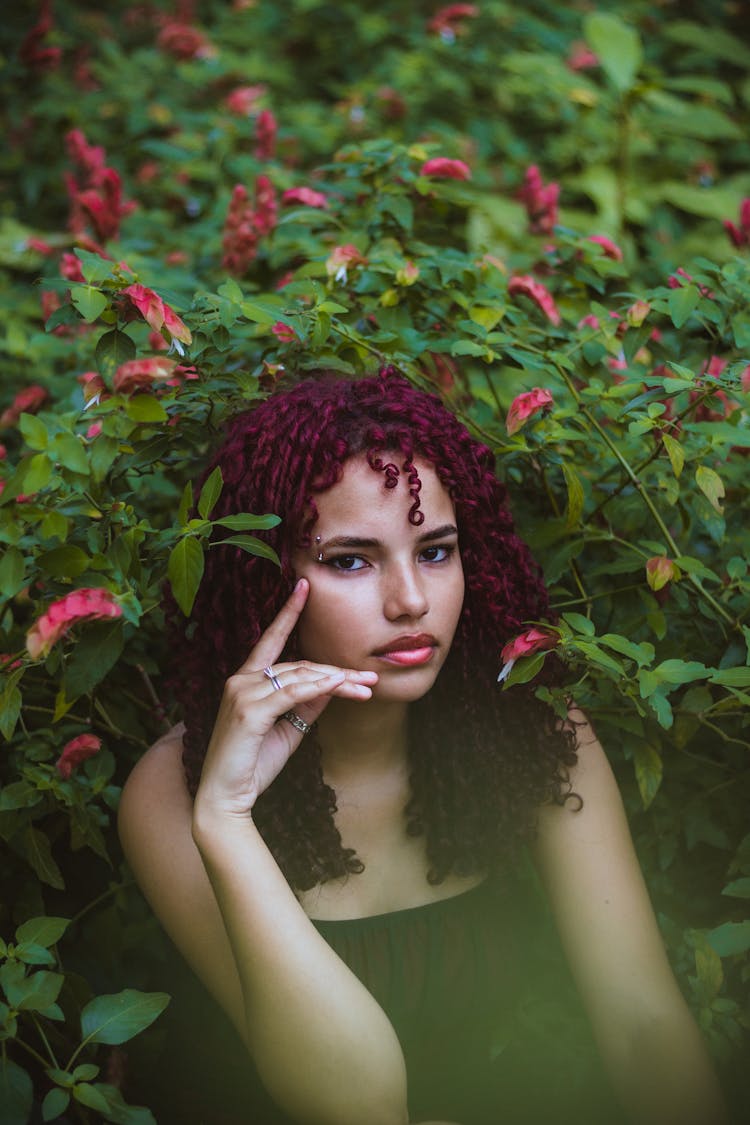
(320, 553)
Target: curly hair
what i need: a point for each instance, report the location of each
(481, 760)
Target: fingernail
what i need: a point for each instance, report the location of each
(298, 585)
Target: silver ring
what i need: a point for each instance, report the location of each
(268, 672)
(298, 723)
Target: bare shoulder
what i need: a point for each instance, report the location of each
(155, 827)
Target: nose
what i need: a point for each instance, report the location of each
(404, 593)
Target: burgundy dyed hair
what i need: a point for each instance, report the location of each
(482, 760)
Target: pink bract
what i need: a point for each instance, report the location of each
(442, 168)
(525, 406)
(77, 751)
(79, 605)
(530, 287)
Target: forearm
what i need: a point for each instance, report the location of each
(663, 1075)
(323, 1046)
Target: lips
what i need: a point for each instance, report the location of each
(406, 643)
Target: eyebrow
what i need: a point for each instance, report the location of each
(355, 541)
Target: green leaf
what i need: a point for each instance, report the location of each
(145, 408)
(732, 677)
(681, 303)
(738, 888)
(96, 652)
(12, 572)
(580, 624)
(575, 496)
(34, 431)
(210, 493)
(648, 771)
(89, 302)
(16, 1093)
(247, 522)
(113, 349)
(642, 653)
(185, 570)
(675, 452)
(118, 1017)
(55, 1103)
(70, 451)
(44, 931)
(32, 954)
(186, 504)
(711, 485)
(250, 544)
(730, 938)
(37, 850)
(680, 671)
(596, 656)
(524, 669)
(64, 562)
(90, 1096)
(35, 992)
(115, 1108)
(617, 46)
(93, 267)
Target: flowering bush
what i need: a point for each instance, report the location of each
(518, 210)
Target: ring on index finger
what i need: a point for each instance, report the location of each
(268, 672)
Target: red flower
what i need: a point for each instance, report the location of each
(243, 99)
(29, 400)
(441, 168)
(184, 42)
(266, 207)
(40, 246)
(76, 751)
(342, 259)
(265, 135)
(581, 57)
(138, 373)
(529, 287)
(306, 196)
(240, 237)
(70, 268)
(540, 201)
(588, 321)
(448, 22)
(32, 53)
(680, 277)
(610, 248)
(94, 190)
(283, 333)
(740, 235)
(80, 605)
(525, 644)
(525, 406)
(158, 314)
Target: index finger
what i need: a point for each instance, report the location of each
(271, 644)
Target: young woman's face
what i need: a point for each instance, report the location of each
(387, 595)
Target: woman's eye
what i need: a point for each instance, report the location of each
(347, 562)
(438, 554)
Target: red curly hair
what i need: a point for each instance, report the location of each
(482, 760)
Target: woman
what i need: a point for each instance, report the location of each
(329, 838)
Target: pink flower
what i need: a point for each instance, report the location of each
(266, 208)
(265, 135)
(243, 100)
(29, 400)
(283, 333)
(94, 190)
(525, 644)
(138, 373)
(525, 406)
(529, 287)
(740, 235)
(94, 387)
(448, 22)
(158, 314)
(342, 259)
(39, 246)
(80, 605)
(408, 274)
(306, 196)
(441, 168)
(610, 248)
(70, 268)
(680, 277)
(745, 380)
(581, 57)
(637, 313)
(4, 451)
(540, 201)
(661, 570)
(34, 55)
(240, 238)
(94, 430)
(589, 321)
(77, 751)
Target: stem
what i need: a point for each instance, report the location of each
(42, 1061)
(493, 392)
(157, 704)
(43, 1037)
(593, 597)
(100, 898)
(110, 726)
(572, 564)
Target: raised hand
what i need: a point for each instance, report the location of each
(251, 740)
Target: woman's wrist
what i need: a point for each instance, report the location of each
(212, 820)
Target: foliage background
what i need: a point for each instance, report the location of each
(640, 113)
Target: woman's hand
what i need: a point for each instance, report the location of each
(251, 742)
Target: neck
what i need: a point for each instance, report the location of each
(362, 741)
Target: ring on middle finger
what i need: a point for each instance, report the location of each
(269, 673)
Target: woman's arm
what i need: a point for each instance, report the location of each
(649, 1042)
(322, 1044)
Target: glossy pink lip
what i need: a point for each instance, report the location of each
(410, 650)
